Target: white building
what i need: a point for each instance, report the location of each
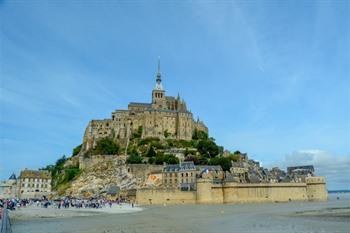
(34, 184)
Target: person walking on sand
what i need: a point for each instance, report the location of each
(110, 204)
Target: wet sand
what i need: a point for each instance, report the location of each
(304, 217)
(34, 212)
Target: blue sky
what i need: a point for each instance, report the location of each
(271, 78)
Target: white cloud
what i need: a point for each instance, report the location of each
(335, 168)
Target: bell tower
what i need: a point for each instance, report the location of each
(158, 93)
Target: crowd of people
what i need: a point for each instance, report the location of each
(65, 203)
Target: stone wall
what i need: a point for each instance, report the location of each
(164, 196)
(85, 163)
(316, 188)
(280, 192)
(209, 193)
(142, 171)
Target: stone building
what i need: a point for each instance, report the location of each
(164, 117)
(299, 173)
(34, 184)
(8, 188)
(184, 176)
(213, 172)
(181, 176)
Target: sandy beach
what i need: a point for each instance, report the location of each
(34, 212)
(294, 217)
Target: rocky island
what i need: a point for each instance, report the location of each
(156, 153)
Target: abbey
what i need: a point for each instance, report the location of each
(164, 117)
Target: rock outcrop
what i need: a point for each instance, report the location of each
(96, 179)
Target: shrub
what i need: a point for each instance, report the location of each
(207, 148)
(76, 150)
(151, 152)
(199, 135)
(138, 133)
(134, 159)
(225, 163)
(169, 159)
(106, 146)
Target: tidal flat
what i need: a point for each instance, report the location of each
(332, 216)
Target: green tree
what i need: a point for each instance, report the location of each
(138, 133)
(207, 148)
(234, 157)
(224, 162)
(148, 141)
(171, 159)
(151, 152)
(132, 151)
(134, 159)
(106, 146)
(76, 150)
(151, 160)
(199, 135)
(60, 162)
(71, 173)
(166, 134)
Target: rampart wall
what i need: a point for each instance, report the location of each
(164, 196)
(208, 193)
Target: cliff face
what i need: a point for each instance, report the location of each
(97, 177)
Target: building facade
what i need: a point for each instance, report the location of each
(34, 184)
(8, 188)
(182, 176)
(164, 117)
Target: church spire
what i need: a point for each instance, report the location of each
(159, 85)
(159, 79)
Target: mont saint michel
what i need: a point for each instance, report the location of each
(174, 116)
(156, 153)
(165, 117)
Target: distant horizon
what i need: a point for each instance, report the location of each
(268, 79)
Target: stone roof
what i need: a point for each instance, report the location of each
(35, 174)
(13, 177)
(300, 168)
(209, 167)
(139, 104)
(170, 97)
(183, 166)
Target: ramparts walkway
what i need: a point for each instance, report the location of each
(5, 226)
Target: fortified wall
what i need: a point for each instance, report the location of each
(314, 189)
